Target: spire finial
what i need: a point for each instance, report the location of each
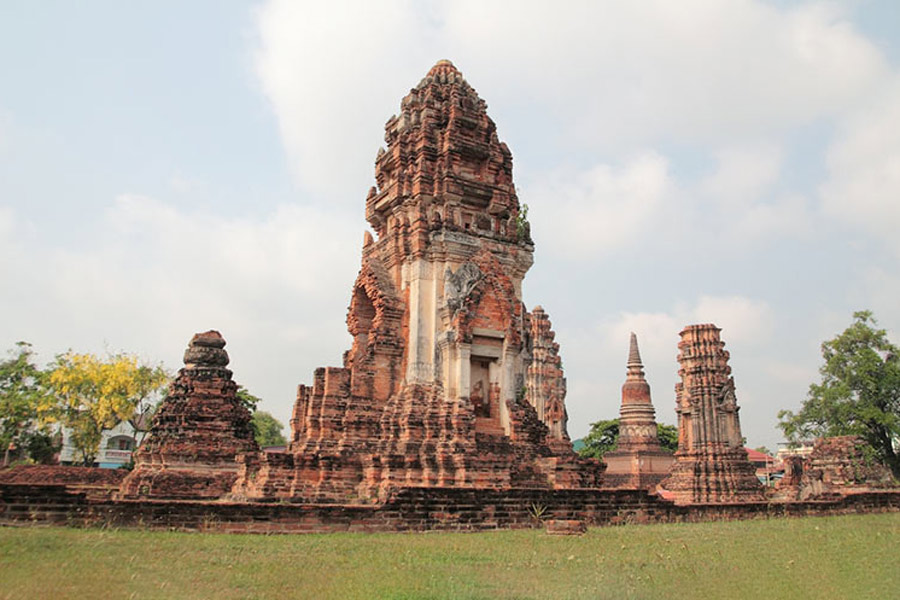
(634, 355)
(443, 66)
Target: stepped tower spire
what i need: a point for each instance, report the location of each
(635, 366)
(711, 464)
(637, 417)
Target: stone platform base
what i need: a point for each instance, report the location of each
(410, 509)
(636, 470)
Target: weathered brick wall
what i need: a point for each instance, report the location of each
(412, 509)
(62, 475)
(95, 482)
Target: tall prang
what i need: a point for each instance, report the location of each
(449, 380)
(711, 464)
(638, 460)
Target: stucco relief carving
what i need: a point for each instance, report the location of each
(458, 286)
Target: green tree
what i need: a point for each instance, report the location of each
(668, 437)
(604, 437)
(90, 394)
(859, 393)
(267, 429)
(248, 400)
(523, 228)
(22, 392)
(42, 446)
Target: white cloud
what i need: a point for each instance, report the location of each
(595, 357)
(743, 174)
(608, 76)
(788, 215)
(863, 187)
(276, 288)
(6, 223)
(743, 320)
(585, 215)
(582, 214)
(878, 292)
(6, 126)
(741, 199)
(333, 73)
(187, 185)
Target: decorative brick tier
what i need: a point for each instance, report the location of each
(711, 464)
(198, 431)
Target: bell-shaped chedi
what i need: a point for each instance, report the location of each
(638, 460)
(711, 464)
(436, 388)
(197, 433)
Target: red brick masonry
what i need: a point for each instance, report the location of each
(411, 509)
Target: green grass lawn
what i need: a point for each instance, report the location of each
(855, 556)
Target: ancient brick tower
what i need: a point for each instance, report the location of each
(197, 432)
(711, 464)
(638, 460)
(449, 380)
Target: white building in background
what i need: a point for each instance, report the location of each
(801, 449)
(116, 445)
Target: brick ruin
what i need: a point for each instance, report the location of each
(638, 460)
(710, 464)
(449, 409)
(837, 466)
(450, 381)
(198, 430)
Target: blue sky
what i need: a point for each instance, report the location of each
(167, 168)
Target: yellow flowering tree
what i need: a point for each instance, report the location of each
(90, 394)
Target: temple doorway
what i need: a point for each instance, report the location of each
(485, 393)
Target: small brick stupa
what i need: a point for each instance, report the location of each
(449, 382)
(197, 432)
(711, 464)
(638, 460)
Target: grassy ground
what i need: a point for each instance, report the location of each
(825, 557)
